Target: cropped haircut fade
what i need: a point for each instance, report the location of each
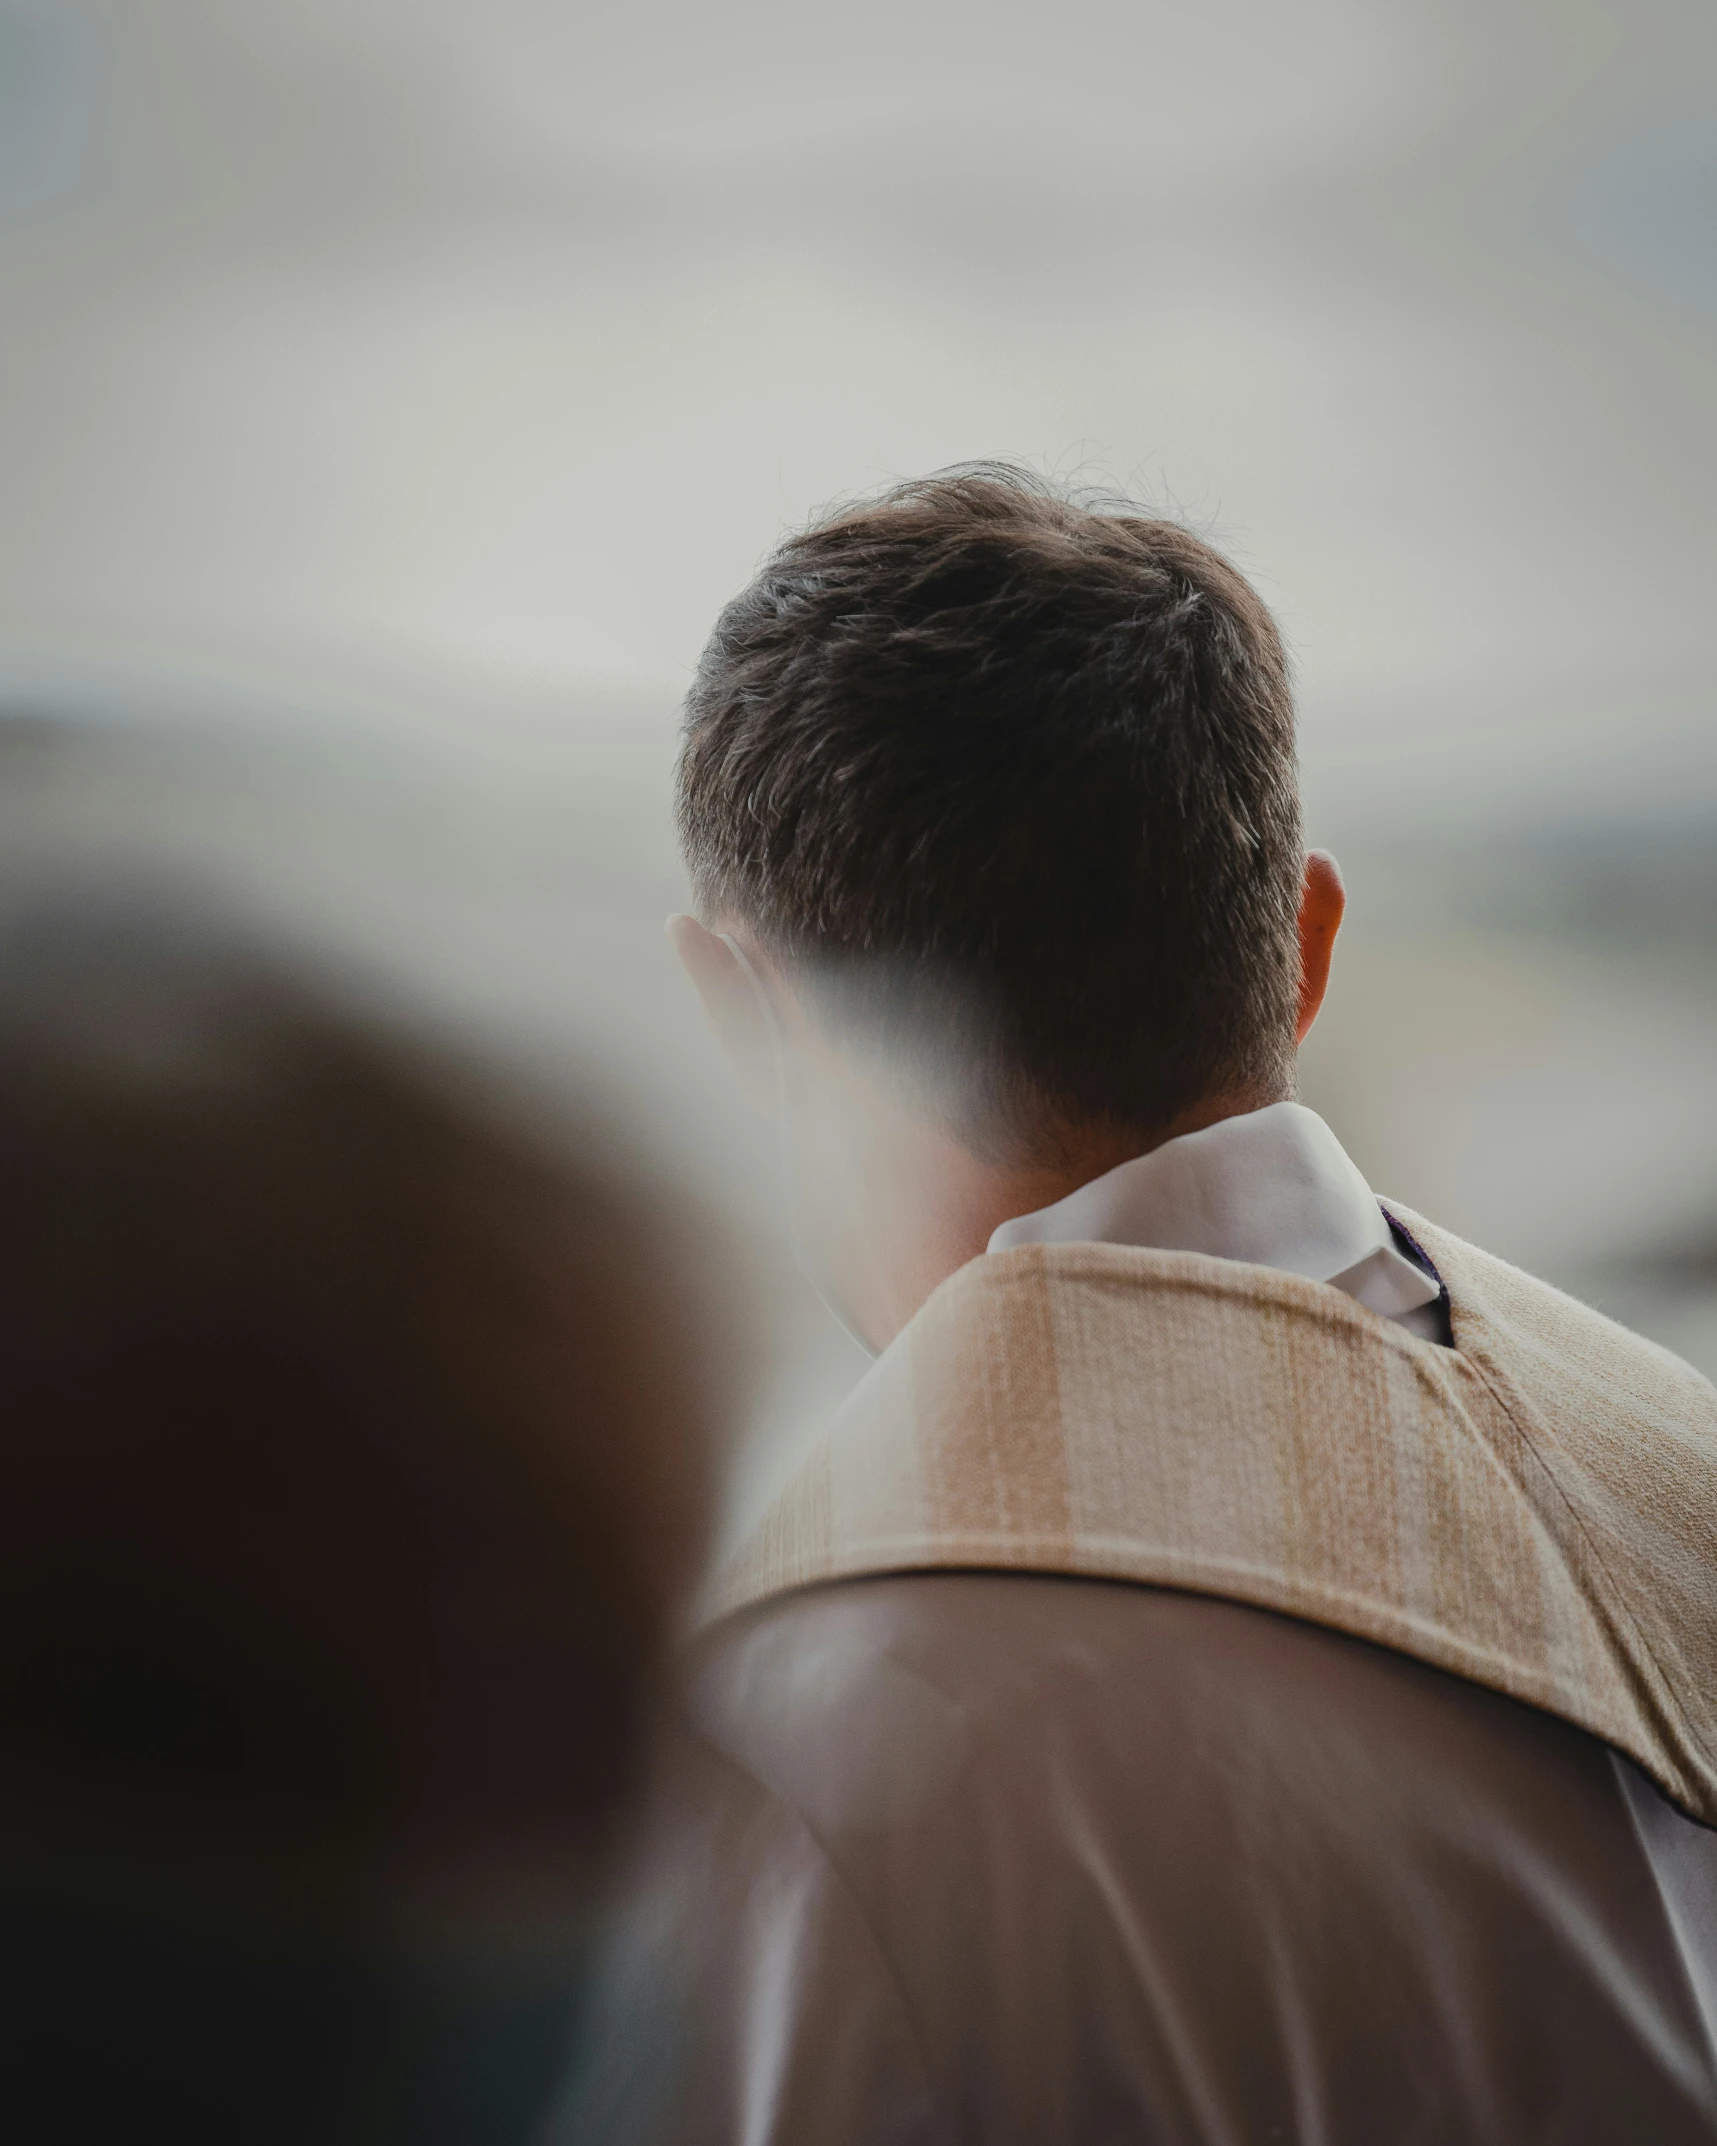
(1008, 781)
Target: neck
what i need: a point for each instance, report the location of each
(1087, 1152)
(925, 1204)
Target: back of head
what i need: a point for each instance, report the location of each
(1010, 780)
(353, 1467)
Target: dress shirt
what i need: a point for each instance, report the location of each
(1274, 1187)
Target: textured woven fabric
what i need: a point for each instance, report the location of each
(1534, 1509)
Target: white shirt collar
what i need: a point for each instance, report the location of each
(1273, 1187)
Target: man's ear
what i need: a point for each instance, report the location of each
(1323, 902)
(733, 1001)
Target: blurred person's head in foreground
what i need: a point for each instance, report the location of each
(991, 810)
(354, 1467)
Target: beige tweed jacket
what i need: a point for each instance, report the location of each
(1534, 1509)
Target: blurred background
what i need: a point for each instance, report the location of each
(392, 391)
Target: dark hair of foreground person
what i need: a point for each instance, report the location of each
(354, 1465)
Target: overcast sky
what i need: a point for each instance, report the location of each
(444, 365)
(470, 355)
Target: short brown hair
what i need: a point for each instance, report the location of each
(978, 753)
